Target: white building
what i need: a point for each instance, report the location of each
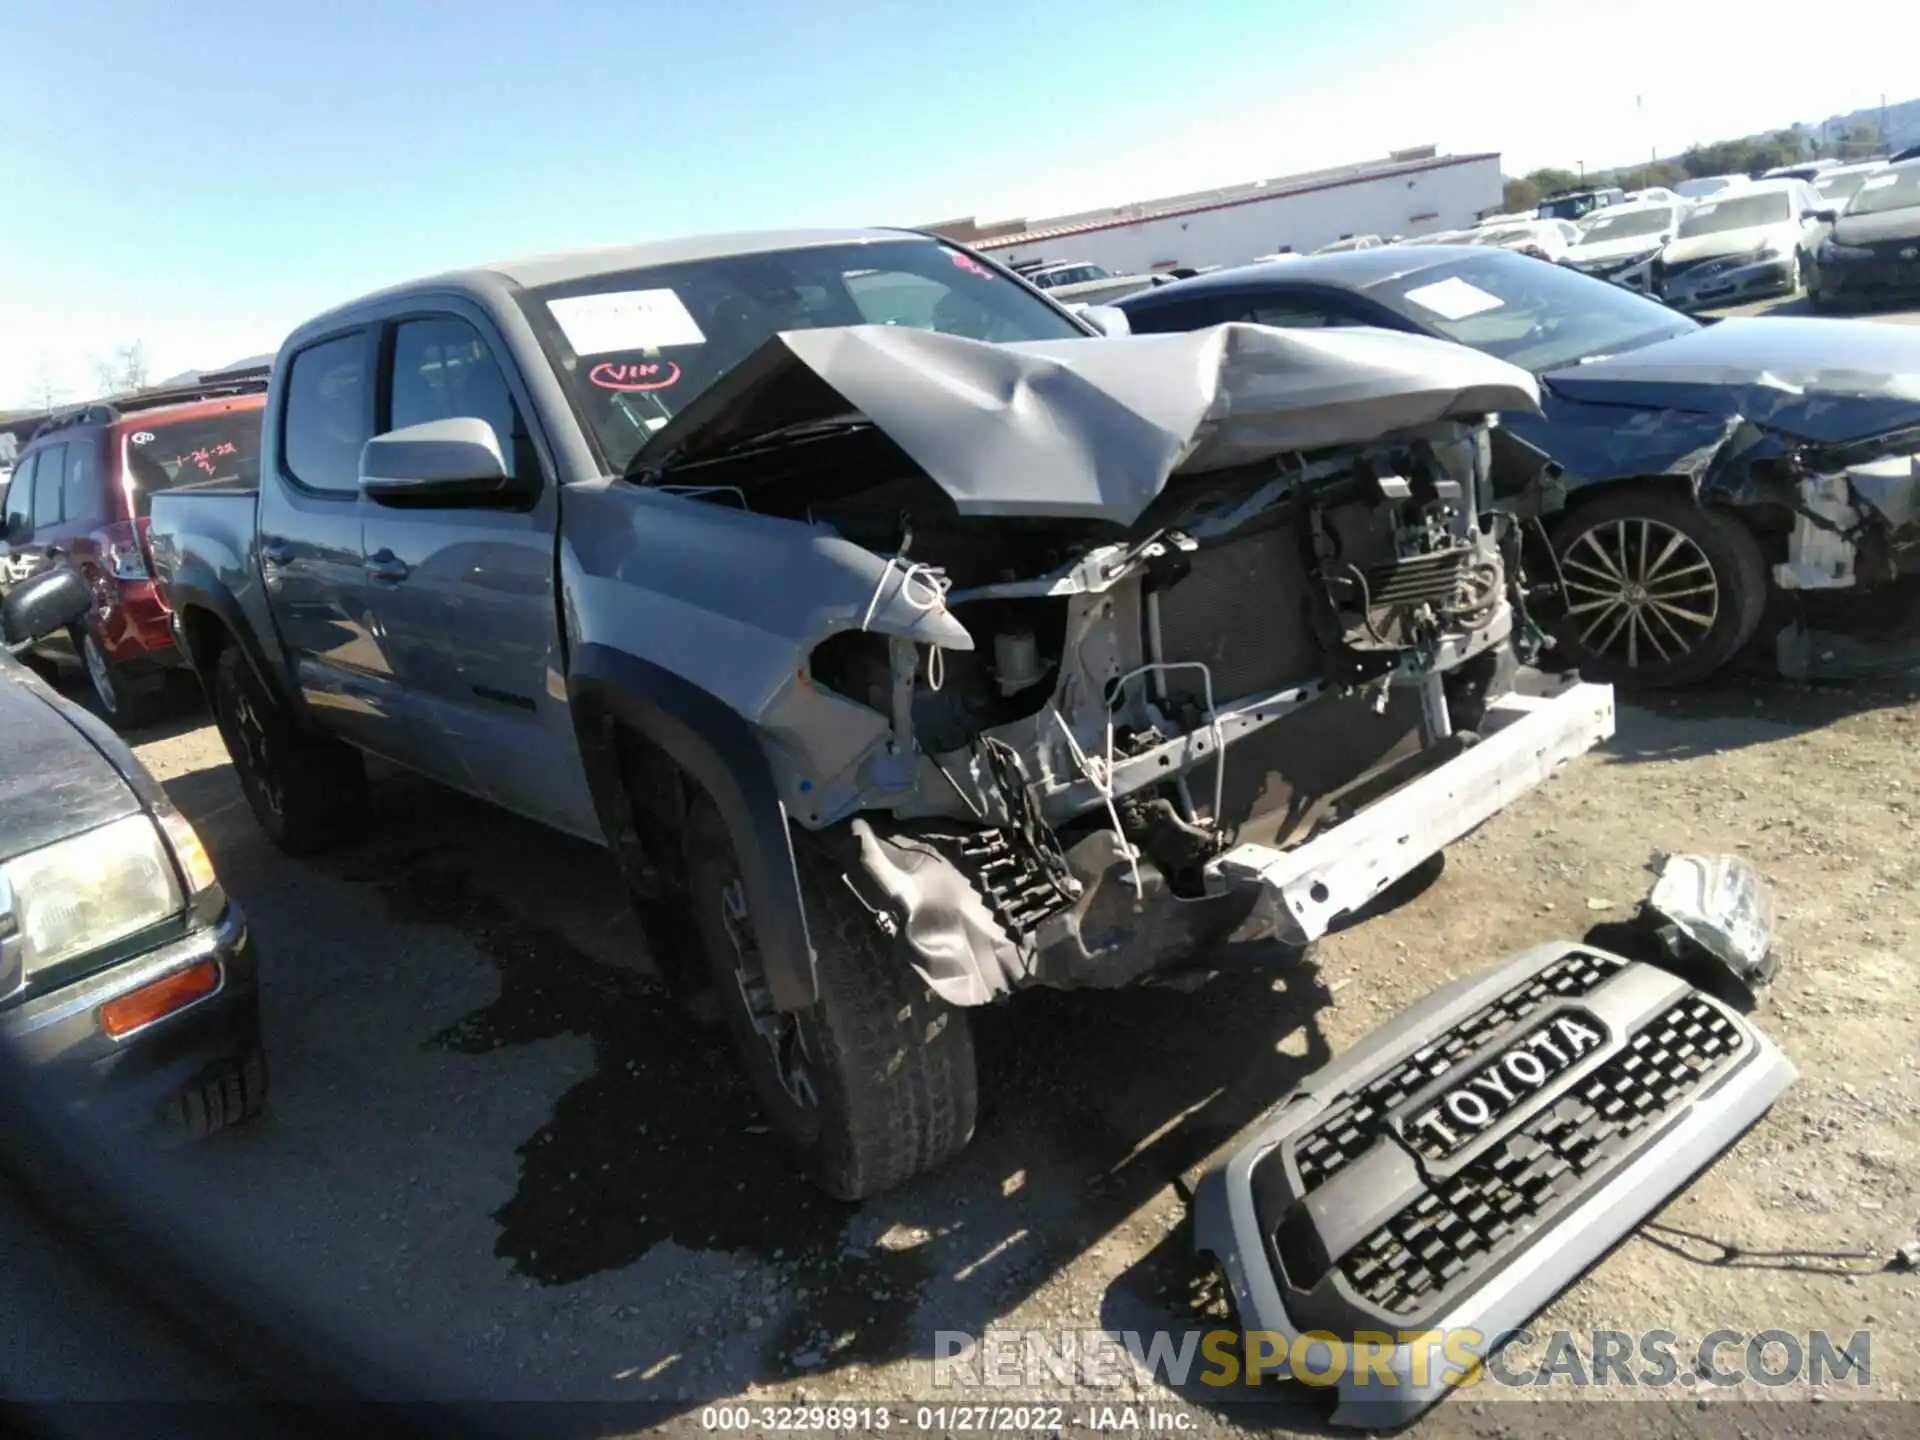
(1411, 192)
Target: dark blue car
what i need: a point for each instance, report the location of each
(1688, 474)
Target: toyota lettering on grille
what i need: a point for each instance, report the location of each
(1496, 1090)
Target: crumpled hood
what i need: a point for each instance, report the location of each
(1825, 381)
(1090, 428)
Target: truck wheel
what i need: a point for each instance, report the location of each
(234, 1096)
(301, 786)
(1660, 590)
(873, 1083)
(126, 704)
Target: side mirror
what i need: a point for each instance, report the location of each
(439, 463)
(16, 530)
(42, 604)
(1825, 216)
(1107, 319)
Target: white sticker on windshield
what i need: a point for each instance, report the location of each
(625, 320)
(1454, 299)
(1879, 182)
(1706, 209)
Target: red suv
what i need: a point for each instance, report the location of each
(80, 494)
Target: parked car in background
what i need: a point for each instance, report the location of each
(1620, 243)
(1744, 246)
(81, 497)
(900, 668)
(1696, 471)
(127, 977)
(1576, 204)
(1067, 272)
(1438, 237)
(1652, 195)
(1801, 170)
(1871, 251)
(1700, 187)
(1350, 242)
(1836, 186)
(1101, 292)
(1542, 239)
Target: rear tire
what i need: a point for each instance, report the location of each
(302, 787)
(234, 1096)
(873, 1083)
(1660, 590)
(123, 702)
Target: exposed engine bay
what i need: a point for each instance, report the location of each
(1116, 716)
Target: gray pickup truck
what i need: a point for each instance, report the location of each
(909, 640)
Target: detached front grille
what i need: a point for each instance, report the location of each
(1460, 1223)
(1349, 1131)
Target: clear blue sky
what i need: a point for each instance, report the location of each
(202, 174)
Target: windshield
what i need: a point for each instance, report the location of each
(1889, 190)
(633, 348)
(1625, 224)
(1507, 235)
(1539, 317)
(207, 452)
(1840, 187)
(1741, 212)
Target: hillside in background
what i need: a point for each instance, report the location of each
(1856, 135)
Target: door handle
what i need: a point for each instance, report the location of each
(276, 552)
(385, 565)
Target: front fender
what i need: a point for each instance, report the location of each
(710, 741)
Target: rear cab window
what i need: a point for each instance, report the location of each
(210, 451)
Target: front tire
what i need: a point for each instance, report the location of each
(873, 1083)
(302, 787)
(124, 702)
(1660, 590)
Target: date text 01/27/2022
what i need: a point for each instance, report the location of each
(940, 1419)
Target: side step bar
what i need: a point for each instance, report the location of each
(1461, 1167)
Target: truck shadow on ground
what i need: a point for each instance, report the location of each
(1091, 1104)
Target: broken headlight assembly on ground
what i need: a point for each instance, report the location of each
(1709, 919)
(1465, 1163)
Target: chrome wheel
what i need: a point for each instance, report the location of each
(777, 1029)
(98, 673)
(1639, 592)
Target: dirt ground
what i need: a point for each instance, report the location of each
(497, 1163)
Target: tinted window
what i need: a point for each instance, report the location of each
(327, 419)
(1534, 315)
(83, 499)
(208, 452)
(1295, 313)
(443, 369)
(1190, 314)
(20, 497)
(46, 493)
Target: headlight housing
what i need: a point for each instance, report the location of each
(80, 895)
